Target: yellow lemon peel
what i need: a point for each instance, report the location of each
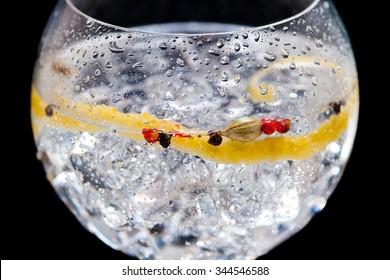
(100, 118)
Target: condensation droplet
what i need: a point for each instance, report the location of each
(163, 46)
(317, 204)
(200, 43)
(308, 47)
(263, 89)
(95, 54)
(277, 38)
(245, 35)
(225, 60)
(292, 65)
(301, 71)
(169, 96)
(319, 43)
(314, 81)
(272, 29)
(225, 77)
(98, 72)
(222, 91)
(181, 76)
(180, 62)
(317, 61)
(220, 43)
(108, 64)
(285, 29)
(256, 36)
(270, 56)
(237, 78)
(285, 53)
(237, 47)
(169, 73)
(214, 51)
(89, 23)
(207, 61)
(238, 63)
(113, 47)
(138, 64)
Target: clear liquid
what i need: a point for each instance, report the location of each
(158, 203)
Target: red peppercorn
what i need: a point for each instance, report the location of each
(283, 126)
(268, 126)
(151, 135)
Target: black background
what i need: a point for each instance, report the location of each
(35, 224)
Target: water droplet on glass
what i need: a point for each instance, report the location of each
(319, 44)
(317, 204)
(200, 43)
(246, 45)
(256, 36)
(237, 78)
(237, 47)
(138, 64)
(263, 89)
(169, 73)
(285, 53)
(225, 60)
(269, 56)
(285, 29)
(308, 47)
(163, 46)
(195, 57)
(98, 72)
(169, 96)
(89, 23)
(222, 91)
(108, 64)
(294, 33)
(314, 81)
(207, 61)
(225, 77)
(180, 62)
(95, 54)
(113, 47)
(292, 65)
(272, 29)
(181, 76)
(169, 84)
(245, 35)
(220, 43)
(238, 63)
(277, 38)
(301, 71)
(317, 61)
(214, 51)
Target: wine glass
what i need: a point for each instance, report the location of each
(202, 130)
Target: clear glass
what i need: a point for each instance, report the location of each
(202, 130)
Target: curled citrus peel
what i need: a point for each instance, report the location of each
(101, 118)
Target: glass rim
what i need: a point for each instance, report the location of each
(310, 7)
